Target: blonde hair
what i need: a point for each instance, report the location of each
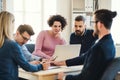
(6, 26)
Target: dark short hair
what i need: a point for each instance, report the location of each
(58, 18)
(25, 27)
(105, 16)
(80, 18)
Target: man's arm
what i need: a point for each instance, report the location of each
(76, 61)
(70, 62)
(29, 55)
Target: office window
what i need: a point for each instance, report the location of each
(34, 13)
(49, 8)
(116, 22)
(1, 5)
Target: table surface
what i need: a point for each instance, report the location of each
(54, 70)
(27, 75)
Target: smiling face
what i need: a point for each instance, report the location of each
(56, 27)
(79, 27)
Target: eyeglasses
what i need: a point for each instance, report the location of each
(24, 37)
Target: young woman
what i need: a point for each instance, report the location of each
(48, 39)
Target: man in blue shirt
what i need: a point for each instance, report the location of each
(22, 35)
(98, 57)
(82, 36)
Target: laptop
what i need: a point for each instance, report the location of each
(63, 52)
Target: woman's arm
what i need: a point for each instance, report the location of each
(39, 44)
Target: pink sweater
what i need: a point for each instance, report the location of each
(45, 44)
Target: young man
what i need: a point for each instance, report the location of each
(97, 58)
(82, 35)
(22, 35)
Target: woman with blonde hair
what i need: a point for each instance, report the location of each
(10, 52)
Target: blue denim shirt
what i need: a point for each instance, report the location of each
(11, 57)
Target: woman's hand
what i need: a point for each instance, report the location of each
(35, 62)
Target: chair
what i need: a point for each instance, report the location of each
(112, 70)
(30, 47)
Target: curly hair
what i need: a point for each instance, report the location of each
(58, 18)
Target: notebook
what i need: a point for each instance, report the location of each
(63, 52)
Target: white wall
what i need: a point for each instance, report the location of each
(117, 50)
(64, 8)
(104, 4)
(116, 22)
(9, 5)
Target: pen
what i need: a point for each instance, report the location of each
(54, 58)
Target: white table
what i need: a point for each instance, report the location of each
(117, 76)
(50, 74)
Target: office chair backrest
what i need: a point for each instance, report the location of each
(112, 70)
(30, 47)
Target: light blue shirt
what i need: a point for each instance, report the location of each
(11, 56)
(29, 56)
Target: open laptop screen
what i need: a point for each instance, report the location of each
(64, 52)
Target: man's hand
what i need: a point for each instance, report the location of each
(58, 63)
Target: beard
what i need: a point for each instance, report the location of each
(78, 33)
